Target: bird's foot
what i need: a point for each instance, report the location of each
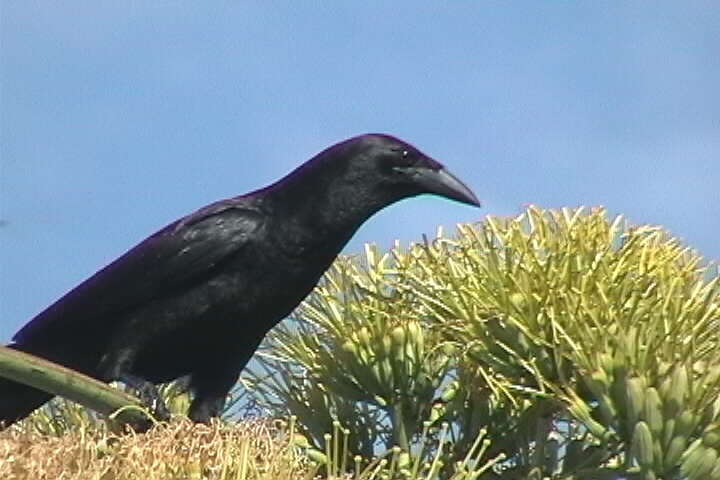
(149, 395)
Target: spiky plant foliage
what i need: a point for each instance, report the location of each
(61, 416)
(250, 450)
(586, 347)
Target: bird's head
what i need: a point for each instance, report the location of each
(348, 182)
(396, 168)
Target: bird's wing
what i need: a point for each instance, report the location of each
(180, 254)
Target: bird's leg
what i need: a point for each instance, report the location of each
(205, 407)
(117, 365)
(212, 383)
(211, 389)
(149, 395)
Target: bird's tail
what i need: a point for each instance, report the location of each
(17, 400)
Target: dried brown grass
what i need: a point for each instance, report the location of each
(179, 450)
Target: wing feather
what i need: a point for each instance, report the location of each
(181, 254)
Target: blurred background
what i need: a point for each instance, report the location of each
(118, 117)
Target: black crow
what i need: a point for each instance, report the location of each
(197, 297)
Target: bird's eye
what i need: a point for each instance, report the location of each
(398, 160)
(406, 157)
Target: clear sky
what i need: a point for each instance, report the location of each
(118, 117)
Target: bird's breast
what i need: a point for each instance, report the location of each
(266, 286)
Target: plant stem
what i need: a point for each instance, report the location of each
(400, 427)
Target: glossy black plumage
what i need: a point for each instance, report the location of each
(198, 296)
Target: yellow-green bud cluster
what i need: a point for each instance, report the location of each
(657, 423)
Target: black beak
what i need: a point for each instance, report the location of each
(443, 183)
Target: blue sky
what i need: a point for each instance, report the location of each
(118, 117)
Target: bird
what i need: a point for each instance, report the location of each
(195, 299)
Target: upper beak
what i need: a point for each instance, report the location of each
(443, 183)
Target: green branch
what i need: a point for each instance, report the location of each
(58, 380)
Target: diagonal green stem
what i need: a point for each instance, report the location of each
(402, 437)
(56, 379)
